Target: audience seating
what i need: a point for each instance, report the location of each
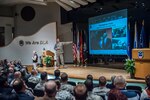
(72, 83)
(31, 85)
(80, 82)
(130, 93)
(94, 84)
(38, 93)
(138, 88)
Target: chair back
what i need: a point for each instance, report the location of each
(31, 85)
(38, 93)
(72, 83)
(134, 88)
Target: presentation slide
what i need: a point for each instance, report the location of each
(108, 34)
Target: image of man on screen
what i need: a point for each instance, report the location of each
(106, 41)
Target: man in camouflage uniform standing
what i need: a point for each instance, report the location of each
(59, 51)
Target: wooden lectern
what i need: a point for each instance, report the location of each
(142, 62)
(48, 53)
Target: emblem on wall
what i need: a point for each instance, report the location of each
(21, 42)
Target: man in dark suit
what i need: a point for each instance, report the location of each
(106, 41)
(20, 87)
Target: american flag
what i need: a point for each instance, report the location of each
(81, 48)
(74, 49)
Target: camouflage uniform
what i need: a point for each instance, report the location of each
(34, 79)
(91, 96)
(67, 87)
(101, 91)
(59, 52)
(64, 95)
(40, 86)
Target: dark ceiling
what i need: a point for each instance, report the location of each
(137, 9)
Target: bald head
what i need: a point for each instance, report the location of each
(11, 70)
(17, 74)
(119, 82)
(50, 88)
(80, 92)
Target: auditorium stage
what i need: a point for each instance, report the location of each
(82, 72)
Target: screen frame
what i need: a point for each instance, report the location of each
(127, 33)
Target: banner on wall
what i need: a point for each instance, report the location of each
(22, 47)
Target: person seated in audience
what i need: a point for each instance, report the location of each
(33, 78)
(10, 75)
(5, 64)
(16, 75)
(111, 85)
(4, 87)
(50, 91)
(57, 74)
(102, 90)
(40, 86)
(64, 95)
(89, 85)
(90, 77)
(146, 92)
(24, 75)
(20, 88)
(115, 94)
(80, 92)
(120, 85)
(16, 67)
(64, 83)
(58, 84)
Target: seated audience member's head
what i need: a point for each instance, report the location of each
(57, 73)
(64, 77)
(58, 84)
(11, 70)
(33, 72)
(89, 85)
(147, 80)
(26, 69)
(112, 79)
(102, 81)
(17, 74)
(44, 76)
(23, 72)
(89, 77)
(50, 88)
(119, 82)
(80, 92)
(19, 85)
(5, 61)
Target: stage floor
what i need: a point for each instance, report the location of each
(82, 72)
